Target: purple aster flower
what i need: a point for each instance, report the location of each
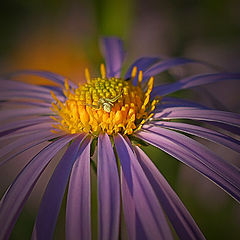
(109, 117)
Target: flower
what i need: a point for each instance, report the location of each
(111, 117)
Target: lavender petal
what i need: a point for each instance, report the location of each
(166, 64)
(142, 64)
(228, 118)
(112, 50)
(78, 213)
(21, 124)
(44, 74)
(13, 200)
(196, 156)
(14, 113)
(108, 190)
(182, 221)
(52, 198)
(193, 81)
(147, 206)
(208, 134)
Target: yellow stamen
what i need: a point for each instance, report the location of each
(140, 77)
(134, 72)
(87, 75)
(104, 105)
(103, 71)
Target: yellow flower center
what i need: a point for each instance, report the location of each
(104, 105)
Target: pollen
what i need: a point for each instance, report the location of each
(102, 104)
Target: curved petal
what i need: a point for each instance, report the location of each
(14, 113)
(52, 198)
(108, 190)
(26, 94)
(129, 207)
(14, 103)
(78, 213)
(178, 102)
(166, 64)
(45, 74)
(228, 118)
(11, 85)
(142, 64)
(112, 50)
(182, 221)
(211, 135)
(21, 124)
(196, 156)
(193, 81)
(13, 200)
(147, 206)
(22, 141)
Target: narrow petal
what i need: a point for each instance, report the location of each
(25, 95)
(142, 64)
(13, 200)
(14, 113)
(14, 103)
(22, 141)
(108, 191)
(112, 50)
(78, 213)
(182, 221)
(211, 135)
(52, 198)
(45, 74)
(166, 64)
(228, 118)
(129, 207)
(193, 81)
(18, 86)
(196, 156)
(146, 203)
(20, 124)
(29, 130)
(178, 102)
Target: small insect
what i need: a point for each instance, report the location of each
(106, 103)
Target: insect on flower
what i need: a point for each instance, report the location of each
(112, 117)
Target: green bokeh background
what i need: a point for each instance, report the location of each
(182, 28)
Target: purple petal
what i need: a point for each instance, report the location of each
(166, 64)
(14, 113)
(129, 208)
(21, 124)
(228, 118)
(24, 143)
(52, 198)
(196, 156)
(112, 50)
(25, 140)
(13, 200)
(26, 94)
(44, 74)
(18, 86)
(78, 213)
(142, 64)
(182, 221)
(108, 190)
(202, 132)
(178, 102)
(228, 128)
(192, 81)
(147, 206)
(12, 103)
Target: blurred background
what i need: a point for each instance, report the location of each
(62, 36)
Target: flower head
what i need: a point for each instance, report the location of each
(104, 116)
